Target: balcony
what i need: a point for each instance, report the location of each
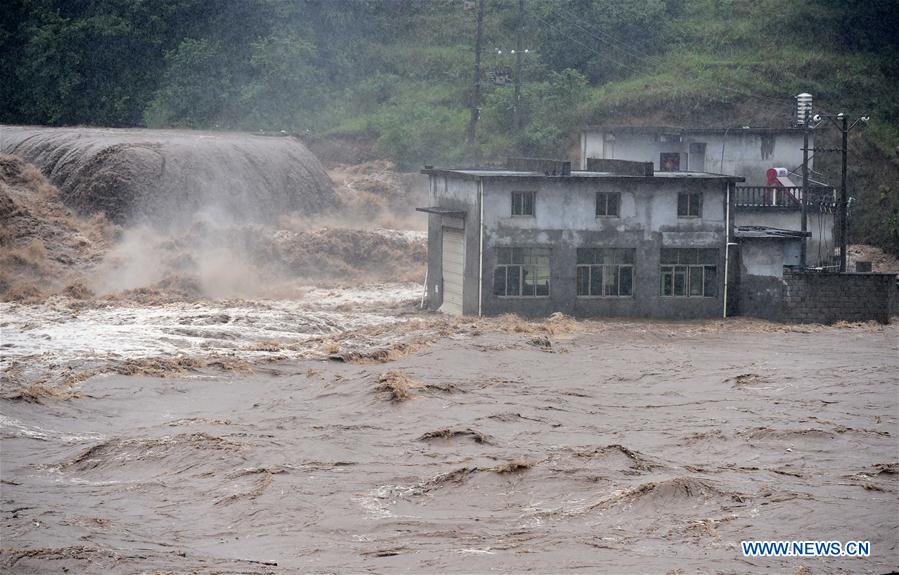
(786, 198)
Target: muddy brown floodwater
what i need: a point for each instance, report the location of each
(481, 446)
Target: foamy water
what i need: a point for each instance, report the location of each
(199, 328)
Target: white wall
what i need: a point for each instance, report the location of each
(746, 153)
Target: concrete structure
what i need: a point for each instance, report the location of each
(746, 152)
(585, 244)
(820, 240)
(763, 255)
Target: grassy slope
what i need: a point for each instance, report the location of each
(722, 63)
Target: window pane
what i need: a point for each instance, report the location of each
(542, 272)
(517, 256)
(627, 256)
(626, 280)
(503, 256)
(596, 273)
(542, 285)
(583, 280)
(667, 276)
(528, 203)
(707, 256)
(612, 204)
(696, 280)
(610, 280)
(600, 204)
(499, 280)
(688, 256)
(683, 205)
(584, 256)
(516, 204)
(669, 256)
(696, 204)
(680, 280)
(710, 287)
(514, 281)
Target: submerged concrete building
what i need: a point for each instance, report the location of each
(622, 240)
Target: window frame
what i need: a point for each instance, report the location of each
(522, 194)
(606, 196)
(689, 204)
(670, 155)
(689, 261)
(604, 270)
(522, 269)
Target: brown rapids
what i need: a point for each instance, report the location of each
(503, 446)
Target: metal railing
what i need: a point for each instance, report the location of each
(783, 197)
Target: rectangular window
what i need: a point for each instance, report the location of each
(689, 204)
(607, 203)
(689, 272)
(523, 203)
(669, 162)
(605, 272)
(521, 272)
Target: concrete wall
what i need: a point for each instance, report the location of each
(454, 194)
(747, 153)
(564, 221)
(819, 246)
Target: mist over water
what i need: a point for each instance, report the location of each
(215, 215)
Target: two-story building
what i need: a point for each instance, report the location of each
(750, 153)
(535, 238)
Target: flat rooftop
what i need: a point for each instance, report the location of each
(478, 173)
(675, 130)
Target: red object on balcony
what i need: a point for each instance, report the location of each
(779, 178)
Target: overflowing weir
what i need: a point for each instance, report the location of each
(168, 176)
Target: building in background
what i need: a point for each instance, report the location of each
(750, 153)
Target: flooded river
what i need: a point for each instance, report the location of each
(278, 442)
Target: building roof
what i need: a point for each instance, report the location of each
(755, 232)
(479, 173)
(441, 211)
(672, 130)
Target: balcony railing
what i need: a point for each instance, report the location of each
(784, 197)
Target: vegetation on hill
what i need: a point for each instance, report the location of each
(398, 73)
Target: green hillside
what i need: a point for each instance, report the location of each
(396, 74)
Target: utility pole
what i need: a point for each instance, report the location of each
(842, 124)
(516, 112)
(476, 86)
(844, 195)
(803, 254)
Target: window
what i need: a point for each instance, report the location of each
(689, 272)
(669, 162)
(689, 204)
(523, 203)
(521, 272)
(607, 272)
(607, 203)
